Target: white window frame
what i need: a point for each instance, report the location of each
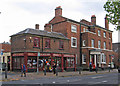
(92, 43)
(74, 28)
(84, 30)
(72, 42)
(103, 59)
(83, 42)
(83, 59)
(104, 44)
(99, 44)
(104, 34)
(99, 33)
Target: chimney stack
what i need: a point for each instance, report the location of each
(93, 19)
(106, 23)
(58, 11)
(37, 26)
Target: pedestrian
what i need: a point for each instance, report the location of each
(54, 68)
(23, 70)
(90, 66)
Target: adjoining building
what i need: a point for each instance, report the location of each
(5, 48)
(89, 41)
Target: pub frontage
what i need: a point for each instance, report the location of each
(63, 61)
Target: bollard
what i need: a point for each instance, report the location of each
(44, 71)
(6, 72)
(79, 71)
(96, 70)
(56, 72)
(109, 69)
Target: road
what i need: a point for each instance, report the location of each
(107, 78)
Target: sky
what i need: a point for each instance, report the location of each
(17, 15)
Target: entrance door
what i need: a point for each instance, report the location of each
(64, 60)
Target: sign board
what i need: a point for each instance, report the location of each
(38, 54)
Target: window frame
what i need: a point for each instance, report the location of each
(99, 33)
(83, 43)
(99, 44)
(104, 44)
(104, 34)
(74, 28)
(61, 43)
(83, 59)
(48, 45)
(92, 43)
(37, 41)
(72, 42)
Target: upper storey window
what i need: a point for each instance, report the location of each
(104, 34)
(36, 42)
(47, 43)
(74, 28)
(73, 42)
(99, 33)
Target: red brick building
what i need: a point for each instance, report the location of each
(64, 41)
(52, 46)
(5, 58)
(96, 40)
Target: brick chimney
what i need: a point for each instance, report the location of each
(106, 23)
(58, 11)
(37, 26)
(93, 19)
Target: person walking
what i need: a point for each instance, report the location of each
(90, 66)
(23, 70)
(54, 68)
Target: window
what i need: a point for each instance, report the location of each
(84, 30)
(99, 33)
(70, 62)
(61, 44)
(99, 44)
(47, 43)
(104, 34)
(36, 42)
(104, 45)
(83, 42)
(32, 62)
(83, 59)
(92, 43)
(73, 42)
(103, 58)
(74, 28)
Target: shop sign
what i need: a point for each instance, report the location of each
(69, 56)
(18, 54)
(59, 55)
(44, 54)
(32, 54)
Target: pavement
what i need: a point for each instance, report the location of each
(13, 76)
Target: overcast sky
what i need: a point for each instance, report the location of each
(17, 15)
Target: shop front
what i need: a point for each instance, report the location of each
(45, 60)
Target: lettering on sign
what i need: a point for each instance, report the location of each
(69, 56)
(18, 54)
(59, 55)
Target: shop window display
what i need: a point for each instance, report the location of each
(32, 63)
(70, 62)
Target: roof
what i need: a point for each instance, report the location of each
(82, 23)
(41, 33)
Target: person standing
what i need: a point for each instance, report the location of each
(54, 68)
(23, 70)
(90, 66)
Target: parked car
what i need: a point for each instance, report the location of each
(118, 69)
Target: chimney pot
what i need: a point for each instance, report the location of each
(58, 11)
(106, 23)
(37, 26)
(93, 19)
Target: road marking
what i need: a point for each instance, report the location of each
(97, 77)
(104, 81)
(68, 80)
(53, 82)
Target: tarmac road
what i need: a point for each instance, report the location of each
(107, 78)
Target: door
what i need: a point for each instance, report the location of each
(64, 63)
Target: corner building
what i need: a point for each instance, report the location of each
(88, 41)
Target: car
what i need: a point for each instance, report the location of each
(118, 69)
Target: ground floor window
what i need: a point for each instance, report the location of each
(70, 62)
(83, 59)
(57, 61)
(32, 62)
(17, 61)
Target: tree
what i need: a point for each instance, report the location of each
(113, 12)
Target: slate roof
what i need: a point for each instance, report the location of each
(41, 33)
